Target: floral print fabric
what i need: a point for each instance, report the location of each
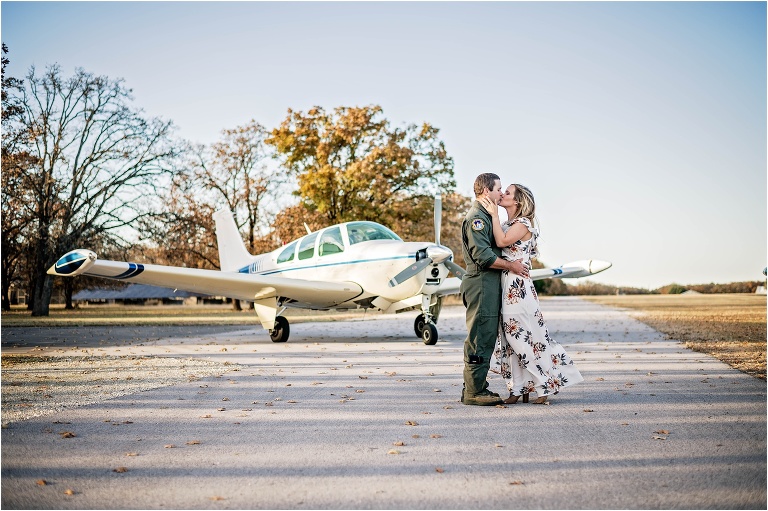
(527, 357)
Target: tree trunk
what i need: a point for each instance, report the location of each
(6, 297)
(42, 296)
(69, 287)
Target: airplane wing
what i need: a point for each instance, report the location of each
(576, 269)
(571, 270)
(241, 286)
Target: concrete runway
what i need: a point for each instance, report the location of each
(317, 423)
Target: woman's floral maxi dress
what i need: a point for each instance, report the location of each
(529, 359)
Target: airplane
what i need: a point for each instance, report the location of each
(351, 265)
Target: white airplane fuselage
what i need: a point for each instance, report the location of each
(369, 264)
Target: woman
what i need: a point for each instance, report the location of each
(530, 360)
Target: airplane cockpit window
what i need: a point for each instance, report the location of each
(331, 242)
(369, 231)
(287, 254)
(307, 247)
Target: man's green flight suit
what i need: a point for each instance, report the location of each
(481, 293)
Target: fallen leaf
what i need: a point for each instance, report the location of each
(120, 470)
(659, 438)
(416, 436)
(207, 416)
(69, 491)
(411, 423)
(516, 482)
(170, 446)
(440, 470)
(588, 410)
(131, 454)
(435, 436)
(596, 379)
(448, 407)
(67, 434)
(393, 451)
(436, 390)
(662, 432)
(216, 497)
(42, 482)
(399, 443)
(359, 391)
(193, 442)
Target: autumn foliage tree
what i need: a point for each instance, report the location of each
(352, 165)
(16, 218)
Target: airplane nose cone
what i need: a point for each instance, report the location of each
(596, 266)
(439, 253)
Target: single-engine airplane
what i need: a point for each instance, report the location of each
(346, 266)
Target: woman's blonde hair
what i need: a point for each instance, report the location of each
(525, 200)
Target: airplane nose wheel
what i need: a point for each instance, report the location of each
(281, 331)
(429, 334)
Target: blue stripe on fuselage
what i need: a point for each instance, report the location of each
(358, 261)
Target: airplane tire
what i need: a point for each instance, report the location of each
(429, 335)
(281, 331)
(418, 325)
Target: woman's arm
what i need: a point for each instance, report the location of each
(513, 234)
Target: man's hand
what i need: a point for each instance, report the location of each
(518, 267)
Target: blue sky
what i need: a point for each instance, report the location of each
(639, 126)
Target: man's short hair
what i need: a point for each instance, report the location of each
(483, 181)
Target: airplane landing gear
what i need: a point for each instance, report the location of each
(429, 334)
(281, 331)
(418, 325)
(424, 325)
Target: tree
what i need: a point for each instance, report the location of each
(97, 164)
(351, 165)
(235, 170)
(16, 218)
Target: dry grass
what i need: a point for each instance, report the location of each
(730, 327)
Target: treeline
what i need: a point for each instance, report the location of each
(83, 167)
(557, 287)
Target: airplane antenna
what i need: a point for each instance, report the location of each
(309, 231)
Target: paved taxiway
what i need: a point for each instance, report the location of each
(360, 414)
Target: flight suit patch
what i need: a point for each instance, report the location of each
(478, 224)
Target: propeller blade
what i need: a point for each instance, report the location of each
(438, 216)
(456, 269)
(410, 271)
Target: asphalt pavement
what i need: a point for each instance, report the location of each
(360, 414)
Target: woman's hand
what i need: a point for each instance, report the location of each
(489, 206)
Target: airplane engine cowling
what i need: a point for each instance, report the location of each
(73, 263)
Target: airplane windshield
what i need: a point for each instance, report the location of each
(369, 231)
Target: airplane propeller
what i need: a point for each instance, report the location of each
(434, 254)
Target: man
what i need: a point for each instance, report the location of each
(481, 292)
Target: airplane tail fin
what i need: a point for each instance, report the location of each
(232, 252)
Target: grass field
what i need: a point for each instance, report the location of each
(730, 327)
